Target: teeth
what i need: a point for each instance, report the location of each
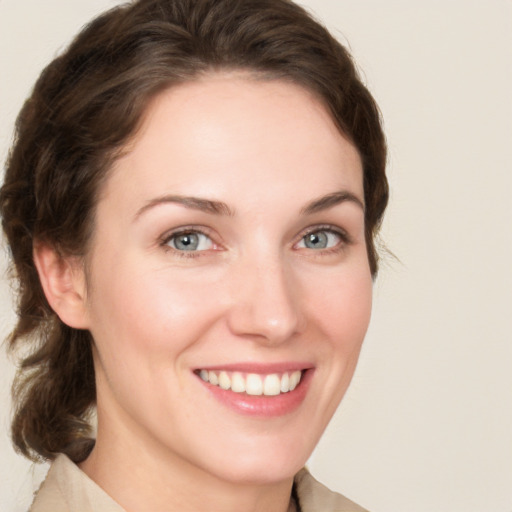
(272, 385)
(212, 377)
(294, 380)
(237, 383)
(253, 383)
(224, 381)
(285, 383)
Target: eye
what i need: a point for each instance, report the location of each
(320, 239)
(189, 241)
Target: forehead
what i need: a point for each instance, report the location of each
(225, 132)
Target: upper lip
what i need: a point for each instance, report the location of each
(260, 368)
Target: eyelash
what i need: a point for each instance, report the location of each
(192, 230)
(345, 240)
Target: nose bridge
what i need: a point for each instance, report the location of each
(265, 302)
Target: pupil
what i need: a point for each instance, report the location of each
(316, 240)
(187, 242)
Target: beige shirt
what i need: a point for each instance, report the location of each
(68, 489)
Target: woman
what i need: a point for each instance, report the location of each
(191, 204)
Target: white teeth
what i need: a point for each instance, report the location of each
(224, 380)
(252, 383)
(285, 383)
(237, 383)
(272, 385)
(212, 377)
(294, 380)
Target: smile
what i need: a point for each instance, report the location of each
(253, 384)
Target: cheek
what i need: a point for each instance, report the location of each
(143, 324)
(343, 309)
(148, 312)
(343, 313)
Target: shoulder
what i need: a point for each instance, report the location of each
(68, 489)
(315, 497)
(50, 495)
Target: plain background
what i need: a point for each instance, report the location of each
(427, 423)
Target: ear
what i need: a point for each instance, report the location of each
(63, 282)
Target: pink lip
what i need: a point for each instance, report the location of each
(261, 406)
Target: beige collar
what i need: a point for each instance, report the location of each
(68, 489)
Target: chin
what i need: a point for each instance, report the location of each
(262, 472)
(263, 463)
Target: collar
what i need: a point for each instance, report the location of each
(68, 489)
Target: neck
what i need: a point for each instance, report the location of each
(140, 476)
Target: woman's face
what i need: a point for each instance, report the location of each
(229, 254)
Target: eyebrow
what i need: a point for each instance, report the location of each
(194, 203)
(221, 208)
(330, 200)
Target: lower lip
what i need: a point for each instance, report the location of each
(263, 405)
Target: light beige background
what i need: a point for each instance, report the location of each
(427, 423)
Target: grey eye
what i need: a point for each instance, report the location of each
(316, 240)
(321, 239)
(190, 242)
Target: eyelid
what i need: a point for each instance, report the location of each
(346, 239)
(164, 239)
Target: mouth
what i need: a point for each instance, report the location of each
(253, 384)
(261, 391)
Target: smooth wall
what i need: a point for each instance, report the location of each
(427, 423)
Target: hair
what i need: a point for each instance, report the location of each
(83, 110)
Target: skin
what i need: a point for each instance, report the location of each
(256, 293)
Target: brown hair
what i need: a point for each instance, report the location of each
(85, 106)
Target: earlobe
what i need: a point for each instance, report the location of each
(63, 282)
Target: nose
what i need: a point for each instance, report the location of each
(266, 303)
